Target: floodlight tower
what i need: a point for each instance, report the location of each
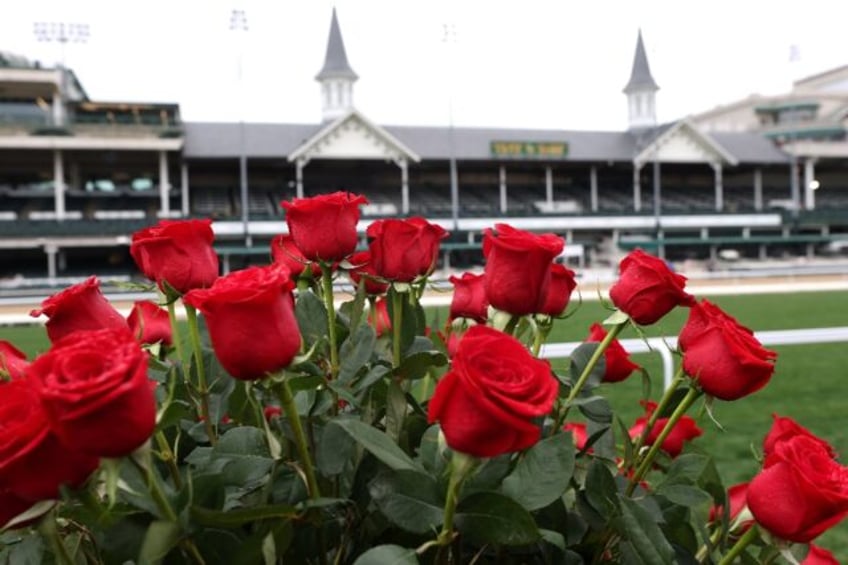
(238, 24)
(61, 33)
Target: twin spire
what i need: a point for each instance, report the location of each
(641, 91)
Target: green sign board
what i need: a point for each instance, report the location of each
(529, 149)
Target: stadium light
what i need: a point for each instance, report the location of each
(61, 33)
(449, 39)
(238, 23)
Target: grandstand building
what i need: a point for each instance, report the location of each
(77, 177)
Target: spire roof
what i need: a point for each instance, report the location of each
(335, 62)
(640, 76)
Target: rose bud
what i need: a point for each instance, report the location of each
(272, 412)
(251, 321)
(13, 362)
(404, 250)
(646, 289)
(736, 497)
(723, 357)
(489, 402)
(177, 252)
(801, 491)
(363, 269)
(149, 323)
(819, 556)
(578, 431)
(518, 267)
(617, 363)
(95, 391)
(33, 462)
(324, 227)
(77, 308)
(783, 428)
(684, 430)
(558, 294)
(285, 252)
(382, 324)
(469, 298)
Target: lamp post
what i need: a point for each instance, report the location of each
(449, 38)
(238, 24)
(61, 33)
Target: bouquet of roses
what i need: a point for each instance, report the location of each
(280, 424)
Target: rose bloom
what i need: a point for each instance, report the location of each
(469, 298)
(724, 357)
(489, 401)
(285, 252)
(518, 267)
(178, 252)
(150, 323)
(617, 363)
(383, 323)
(13, 361)
(363, 269)
(684, 430)
(404, 250)
(251, 321)
(77, 308)
(783, 428)
(324, 227)
(95, 391)
(801, 491)
(578, 432)
(558, 294)
(33, 462)
(646, 289)
(819, 556)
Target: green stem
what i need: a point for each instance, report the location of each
(290, 410)
(661, 407)
(678, 413)
(327, 283)
(461, 467)
(740, 546)
(541, 335)
(155, 489)
(202, 387)
(704, 550)
(397, 322)
(48, 528)
(590, 366)
(511, 325)
(169, 458)
(175, 330)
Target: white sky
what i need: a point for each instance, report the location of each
(558, 64)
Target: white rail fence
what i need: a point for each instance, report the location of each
(664, 346)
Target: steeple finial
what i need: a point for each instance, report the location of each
(335, 61)
(640, 76)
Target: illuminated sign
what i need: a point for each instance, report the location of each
(530, 149)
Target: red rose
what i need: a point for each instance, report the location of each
(646, 289)
(724, 357)
(684, 430)
(819, 556)
(801, 490)
(617, 363)
(95, 391)
(489, 401)
(78, 308)
(518, 267)
(382, 323)
(783, 428)
(179, 252)
(271, 412)
(33, 462)
(324, 227)
(285, 252)
(11, 506)
(560, 286)
(736, 497)
(578, 431)
(13, 362)
(250, 316)
(469, 298)
(404, 250)
(150, 323)
(363, 268)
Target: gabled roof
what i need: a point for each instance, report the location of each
(689, 129)
(640, 75)
(335, 61)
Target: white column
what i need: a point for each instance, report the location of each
(185, 190)
(164, 185)
(299, 164)
(58, 185)
(758, 189)
(51, 251)
(809, 177)
(502, 187)
(637, 189)
(404, 186)
(593, 188)
(719, 188)
(549, 185)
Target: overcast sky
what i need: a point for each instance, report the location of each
(531, 64)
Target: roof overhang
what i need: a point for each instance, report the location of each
(684, 142)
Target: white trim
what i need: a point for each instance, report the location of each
(699, 136)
